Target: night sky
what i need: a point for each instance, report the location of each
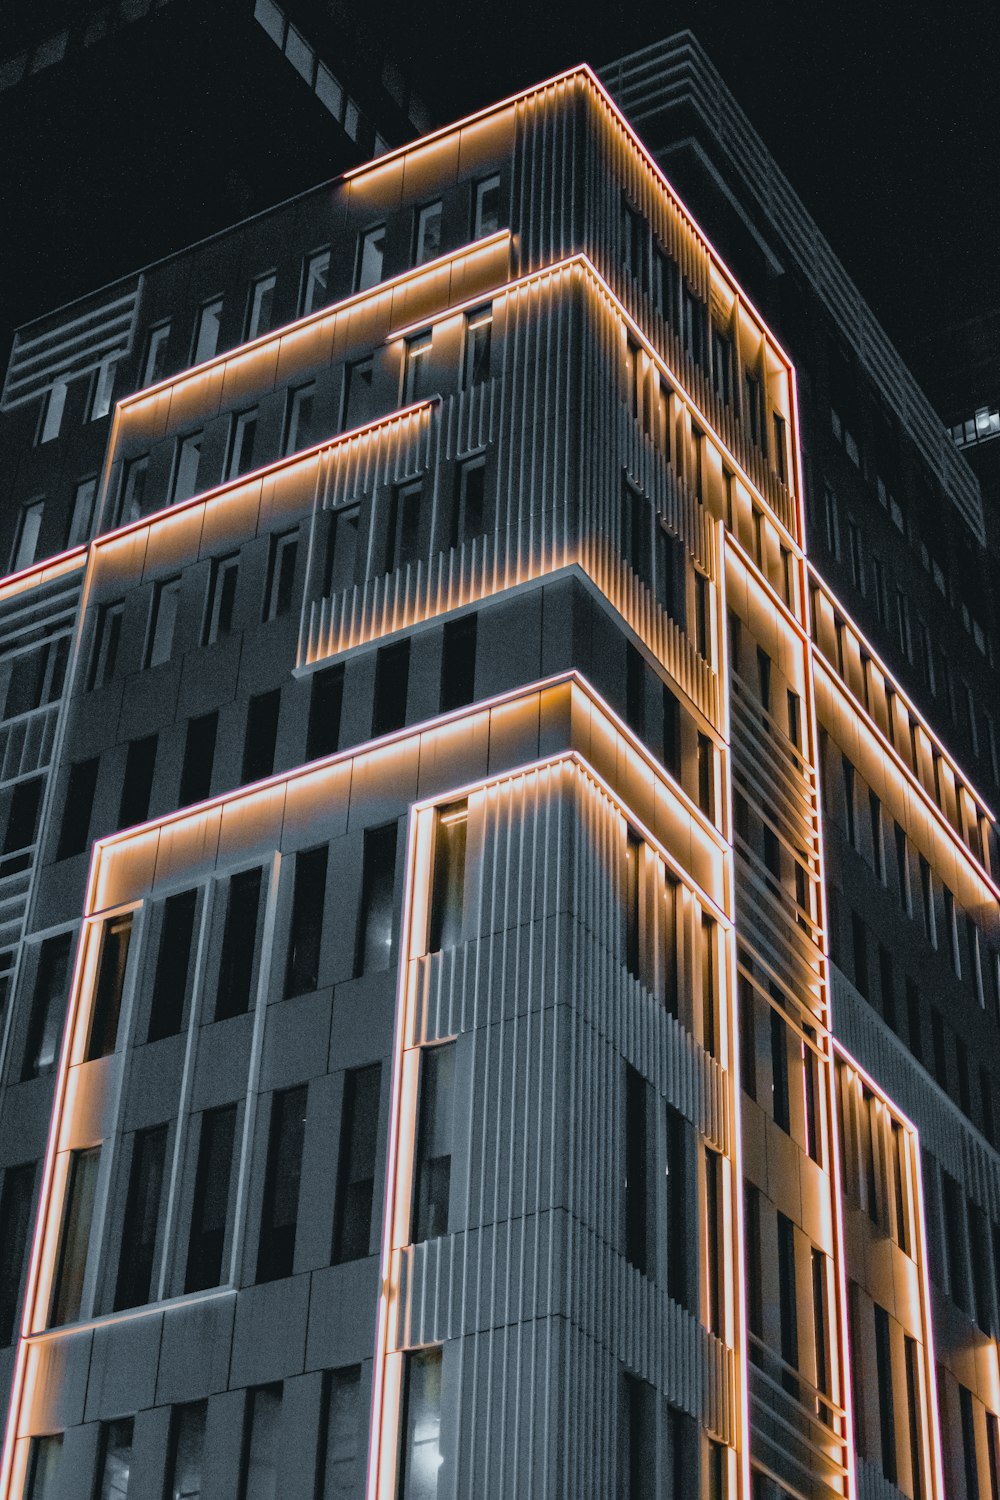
(885, 117)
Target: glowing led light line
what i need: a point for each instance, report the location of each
(38, 573)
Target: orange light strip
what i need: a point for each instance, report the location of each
(333, 309)
(37, 573)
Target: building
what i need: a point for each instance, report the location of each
(449, 824)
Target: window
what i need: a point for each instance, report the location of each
(403, 538)
(82, 515)
(116, 935)
(199, 755)
(927, 901)
(15, 1216)
(239, 941)
(48, 1007)
(831, 521)
(855, 553)
(373, 950)
(779, 1073)
(722, 366)
(261, 309)
(673, 572)
(299, 424)
(478, 341)
(210, 1208)
(340, 1446)
(754, 407)
(102, 387)
(80, 788)
(706, 775)
(29, 526)
(641, 1401)
(421, 1462)
(487, 215)
(221, 598)
(780, 436)
(186, 467)
(78, 1210)
(392, 671)
(280, 1208)
(713, 1241)
(692, 330)
(282, 558)
(435, 1129)
(635, 522)
(206, 332)
(22, 824)
(137, 785)
(458, 663)
(133, 490)
(173, 961)
(115, 1459)
(914, 1411)
(304, 941)
(326, 698)
(261, 737)
(315, 282)
(52, 411)
(33, 676)
(163, 618)
(342, 549)
(352, 1228)
(428, 232)
(187, 1452)
(44, 1467)
(371, 252)
(448, 877)
(136, 1283)
(678, 1208)
(787, 1309)
(639, 1181)
(241, 443)
(468, 517)
(261, 1463)
(155, 364)
(418, 375)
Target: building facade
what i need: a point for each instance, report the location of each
(428, 754)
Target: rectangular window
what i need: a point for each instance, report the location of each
(969, 1455)
(373, 949)
(352, 1228)
(199, 757)
(29, 526)
(137, 785)
(469, 512)
(78, 1212)
(44, 1467)
(754, 407)
(821, 1321)
(371, 253)
(639, 1181)
(878, 844)
(486, 219)
(221, 598)
(206, 334)
(315, 282)
(780, 437)
(305, 936)
(403, 539)
(342, 549)
(239, 942)
(418, 371)
(82, 515)
(186, 467)
(421, 1462)
(155, 365)
(185, 1468)
(902, 869)
(635, 528)
(261, 1466)
(447, 909)
(22, 824)
(458, 663)
(779, 1073)
(116, 935)
(241, 443)
(754, 1275)
(358, 392)
(173, 961)
(115, 1459)
(787, 1309)
(261, 307)
(210, 1208)
(435, 1131)
(927, 901)
(914, 1412)
(133, 490)
(136, 1278)
(326, 698)
(261, 737)
(162, 621)
(640, 1437)
(707, 965)
(859, 940)
(429, 221)
(15, 1216)
(392, 674)
(282, 557)
(713, 1241)
(299, 427)
(478, 343)
(80, 788)
(280, 1209)
(340, 1446)
(48, 1007)
(52, 412)
(102, 388)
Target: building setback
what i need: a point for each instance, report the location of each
(428, 756)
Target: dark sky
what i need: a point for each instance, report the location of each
(884, 117)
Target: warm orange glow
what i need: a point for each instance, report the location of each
(42, 572)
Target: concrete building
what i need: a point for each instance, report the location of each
(436, 781)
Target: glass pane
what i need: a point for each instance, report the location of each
(370, 264)
(44, 1467)
(80, 1188)
(110, 985)
(343, 1431)
(117, 1461)
(262, 1452)
(421, 1458)
(185, 1481)
(434, 1139)
(429, 232)
(207, 341)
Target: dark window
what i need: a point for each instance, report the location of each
(115, 1459)
(44, 1467)
(326, 699)
(403, 540)
(140, 763)
(428, 236)
(186, 465)
(914, 1411)
(706, 775)
(632, 896)
(142, 1219)
(356, 1168)
(969, 1455)
(478, 341)
(448, 877)
(486, 219)
(243, 436)
(713, 1240)
(418, 372)
(22, 825)
(639, 1181)
(341, 550)
(80, 788)
(15, 1216)
(392, 676)
(458, 663)
(340, 1444)
(133, 490)
(636, 532)
(358, 388)
(48, 1007)
(821, 1319)
(78, 1212)
(107, 637)
(116, 935)
(787, 1312)
(748, 1036)
(469, 511)
(371, 248)
(299, 421)
(173, 960)
(421, 1462)
(199, 755)
(671, 732)
(221, 599)
(280, 1210)
(886, 1414)
(261, 739)
(304, 940)
(754, 408)
(239, 942)
(435, 1128)
(707, 962)
(281, 561)
(754, 1274)
(779, 1072)
(185, 1468)
(210, 1208)
(373, 949)
(640, 1435)
(261, 1466)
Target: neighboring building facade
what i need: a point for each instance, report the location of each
(420, 1076)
